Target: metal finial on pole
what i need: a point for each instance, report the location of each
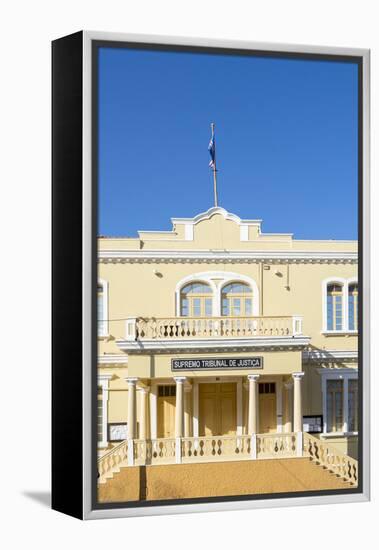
(212, 164)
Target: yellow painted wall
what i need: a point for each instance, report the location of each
(136, 291)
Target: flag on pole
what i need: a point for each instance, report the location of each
(212, 149)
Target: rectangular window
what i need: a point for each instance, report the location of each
(334, 404)
(184, 307)
(225, 306)
(267, 387)
(166, 391)
(236, 307)
(338, 312)
(196, 303)
(330, 312)
(208, 307)
(248, 307)
(353, 405)
(334, 307)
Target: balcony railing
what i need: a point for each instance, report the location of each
(179, 328)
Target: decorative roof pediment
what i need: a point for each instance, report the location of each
(219, 236)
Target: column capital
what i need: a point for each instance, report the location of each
(180, 379)
(132, 381)
(297, 375)
(253, 377)
(288, 385)
(143, 389)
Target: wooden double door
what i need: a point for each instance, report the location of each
(217, 409)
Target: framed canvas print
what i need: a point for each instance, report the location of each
(210, 275)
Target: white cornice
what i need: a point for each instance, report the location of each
(223, 256)
(330, 355)
(112, 360)
(238, 344)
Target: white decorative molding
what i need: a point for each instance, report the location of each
(188, 232)
(213, 211)
(244, 232)
(223, 256)
(337, 374)
(237, 344)
(329, 355)
(223, 278)
(112, 360)
(345, 304)
(103, 325)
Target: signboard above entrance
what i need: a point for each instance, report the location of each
(214, 363)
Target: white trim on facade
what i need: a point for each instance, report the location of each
(103, 383)
(330, 355)
(103, 324)
(217, 280)
(223, 256)
(336, 374)
(345, 305)
(240, 344)
(189, 223)
(112, 360)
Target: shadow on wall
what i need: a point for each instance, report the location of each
(352, 448)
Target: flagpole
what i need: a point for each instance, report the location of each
(214, 169)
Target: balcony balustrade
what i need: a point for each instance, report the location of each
(190, 328)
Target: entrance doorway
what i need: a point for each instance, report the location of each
(217, 409)
(267, 407)
(166, 411)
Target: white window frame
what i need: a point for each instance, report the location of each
(104, 326)
(103, 383)
(345, 304)
(217, 280)
(341, 374)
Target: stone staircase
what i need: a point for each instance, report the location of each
(181, 481)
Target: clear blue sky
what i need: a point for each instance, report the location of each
(286, 141)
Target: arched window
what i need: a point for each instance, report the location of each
(196, 300)
(353, 306)
(334, 306)
(236, 300)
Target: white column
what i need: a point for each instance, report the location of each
(298, 411)
(239, 407)
(153, 412)
(288, 406)
(103, 383)
(279, 404)
(253, 403)
(187, 411)
(131, 417)
(179, 414)
(132, 407)
(195, 409)
(143, 413)
(253, 413)
(345, 410)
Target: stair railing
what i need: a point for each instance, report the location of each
(330, 458)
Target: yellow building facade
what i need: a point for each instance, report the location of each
(219, 342)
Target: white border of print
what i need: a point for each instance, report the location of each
(88, 512)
